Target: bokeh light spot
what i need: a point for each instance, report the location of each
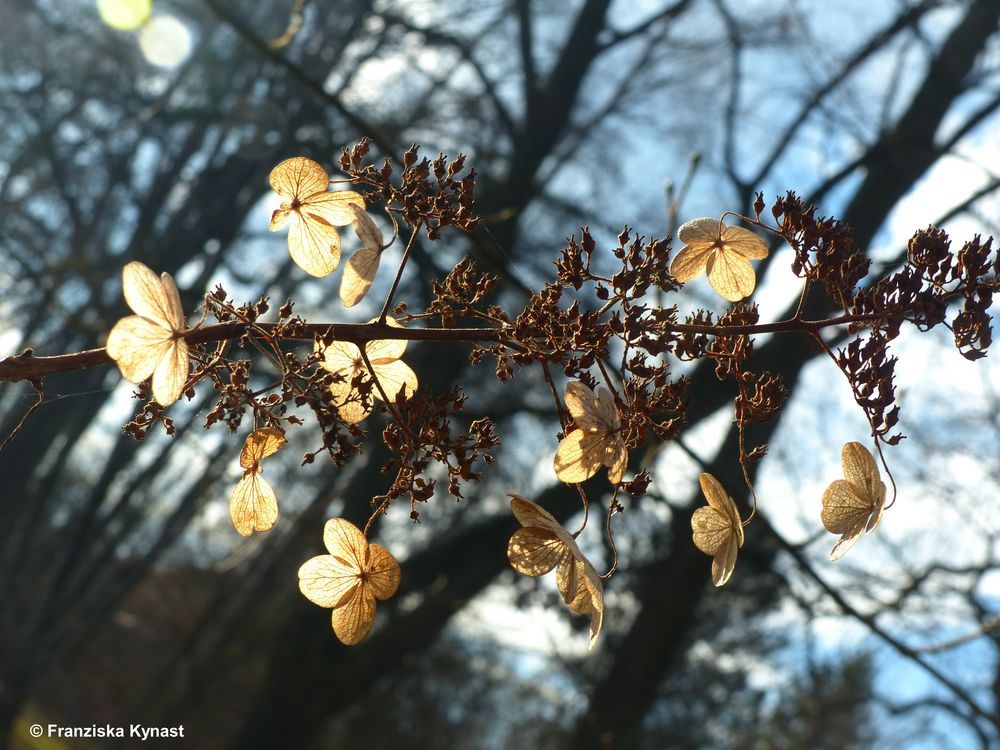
(125, 15)
(165, 41)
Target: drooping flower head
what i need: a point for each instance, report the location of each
(543, 544)
(595, 442)
(311, 213)
(253, 506)
(151, 342)
(717, 529)
(724, 252)
(344, 358)
(854, 504)
(349, 579)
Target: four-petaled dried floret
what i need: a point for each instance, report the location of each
(717, 529)
(597, 439)
(723, 252)
(854, 504)
(253, 506)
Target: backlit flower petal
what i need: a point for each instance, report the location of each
(353, 619)
(358, 275)
(533, 551)
(253, 506)
(731, 275)
(171, 373)
(314, 245)
(690, 262)
(137, 345)
(345, 541)
(744, 242)
(260, 444)
(382, 571)
(297, 178)
(326, 581)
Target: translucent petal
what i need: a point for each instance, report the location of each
(382, 571)
(690, 262)
(345, 541)
(260, 444)
(579, 456)
(743, 241)
(616, 459)
(607, 410)
(699, 231)
(385, 350)
(568, 578)
(724, 561)
(719, 499)
(367, 230)
(349, 403)
(731, 275)
(150, 296)
(340, 356)
(532, 514)
(358, 276)
(171, 373)
(353, 620)
(314, 245)
(298, 177)
(253, 506)
(846, 541)
(279, 219)
(326, 581)
(393, 377)
(583, 405)
(137, 345)
(861, 470)
(844, 508)
(336, 209)
(589, 598)
(534, 551)
(710, 529)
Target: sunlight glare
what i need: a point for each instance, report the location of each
(165, 41)
(125, 15)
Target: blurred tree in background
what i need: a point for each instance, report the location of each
(128, 598)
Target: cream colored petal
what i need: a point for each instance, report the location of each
(718, 498)
(145, 293)
(393, 377)
(844, 508)
(260, 444)
(846, 541)
(279, 219)
(710, 529)
(383, 572)
(358, 276)
(253, 506)
(616, 459)
(353, 620)
(579, 456)
(314, 245)
(690, 262)
(876, 515)
(326, 581)
(699, 231)
(724, 561)
(298, 177)
(529, 513)
(583, 405)
(607, 410)
(171, 373)
(336, 208)
(175, 313)
(367, 230)
(137, 345)
(743, 241)
(568, 575)
(349, 403)
(345, 542)
(731, 275)
(589, 598)
(533, 551)
(861, 470)
(339, 356)
(385, 350)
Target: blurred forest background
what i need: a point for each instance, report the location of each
(125, 594)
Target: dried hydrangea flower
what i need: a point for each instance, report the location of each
(543, 544)
(311, 213)
(854, 504)
(597, 440)
(253, 506)
(344, 358)
(363, 265)
(151, 342)
(717, 529)
(724, 252)
(349, 579)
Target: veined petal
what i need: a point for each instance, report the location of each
(844, 507)
(393, 377)
(382, 571)
(583, 405)
(314, 245)
(325, 581)
(698, 231)
(533, 514)
(607, 411)
(353, 619)
(339, 356)
(336, 208)
(724, 561)
(348, 402)
(690, 262)
(260, 444)
(171, 373)
(345, 541)
(731, 275)
(147, 295)
(358, 276)
(137, 345)
(579, 456)
(279, 219)
(743, 241)
(366, 229)
(534, 551)
(298, 177)
(710, 529)
(616, 459)
(385, 350)
(253, 506)
(846, 541)
(861, 470)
